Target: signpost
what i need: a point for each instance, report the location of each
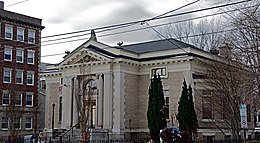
(243, 115)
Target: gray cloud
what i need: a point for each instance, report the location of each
(127, 12)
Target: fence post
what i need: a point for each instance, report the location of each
(60, 139)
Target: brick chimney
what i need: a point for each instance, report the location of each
(1, 5)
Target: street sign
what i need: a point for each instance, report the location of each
(244, 122)
(243, 115)
(242, 108)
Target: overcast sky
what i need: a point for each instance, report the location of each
(62, 16)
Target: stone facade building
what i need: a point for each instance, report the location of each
(116, 80)
(19, 68)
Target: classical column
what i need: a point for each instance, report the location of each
(74, 109)
(100, 96)
(66, 102)
(118, 118)
(107, 116)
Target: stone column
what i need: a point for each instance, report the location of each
(75, 102)
(118, 120)
(66, 102)
(108, 93)
(100, 96)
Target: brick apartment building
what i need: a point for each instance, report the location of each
(19, 66)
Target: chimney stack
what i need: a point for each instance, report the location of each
(1, 5)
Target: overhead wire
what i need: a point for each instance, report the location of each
(142, 28)
(17, 3)
(161, 35)
(195, 35)
(140, 21)
(138, 29)
(148, 19)
(123, 26)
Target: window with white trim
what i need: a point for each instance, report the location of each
(8, 54)
(5, 123)
(19, 55)
(9, 32)
(28, 123)
(7, 75)
(159, 71)
(17, 123)
(30, 78)
(20, 34)
(5, 98)
(31, 36)
(29, 100)
(19, 77)
(30, 57)
(18, 99)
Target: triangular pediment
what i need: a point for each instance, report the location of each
(83, 54)
(84, 57)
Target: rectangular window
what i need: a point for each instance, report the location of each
(209, 139)
(18, 99)
(207, 108)
(30, 78)
(5, 123)
(8, 32)
(17, 123)
(159, 71)
(20, 34)
(5, 98)
(28, 123)
(8, 54)
(30, 56)
(19, 77)
(7, 75)
(60, 109)
(29, 100)
(31, 36)
(19, 55)
(166, 94)
(42, 84)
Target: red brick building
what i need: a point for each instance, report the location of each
(19, 66)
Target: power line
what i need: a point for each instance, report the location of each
(120, 32)
(165, 37)
(123, 25)
(16, 3)
(195, 35)
(176, 9)
(149, 19)
(136, 29)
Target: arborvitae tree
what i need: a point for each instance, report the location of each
(155, 115)
(183, 108)
(186, 113)
(193, 122)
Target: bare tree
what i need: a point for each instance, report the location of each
(204, 35)
(84, 100)
(226, 84)
(245, 40)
